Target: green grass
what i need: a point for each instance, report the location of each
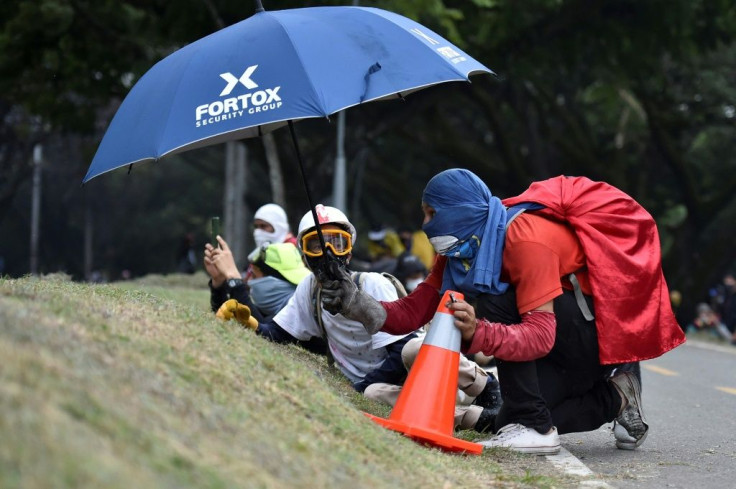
(137, 384)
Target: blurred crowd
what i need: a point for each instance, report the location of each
(716, 315)
(406, 254)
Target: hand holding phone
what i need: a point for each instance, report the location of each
(215, 231)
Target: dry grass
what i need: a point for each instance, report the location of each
(138, 385)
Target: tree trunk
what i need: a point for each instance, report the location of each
(36, 208)
(88, 241)
(235, 211)
(274, 170)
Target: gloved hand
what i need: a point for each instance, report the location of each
(234, 309)
(343, 296)
(337, 289)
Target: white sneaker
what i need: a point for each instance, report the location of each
(521, 439)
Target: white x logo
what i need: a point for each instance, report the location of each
(244, 79)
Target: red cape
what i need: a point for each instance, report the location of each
(633, 313)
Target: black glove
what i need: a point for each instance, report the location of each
(342, 295)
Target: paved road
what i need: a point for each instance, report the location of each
(689, 396)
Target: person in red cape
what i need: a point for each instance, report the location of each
(624, 269)
(563, 285)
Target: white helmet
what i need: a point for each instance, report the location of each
(325, 215)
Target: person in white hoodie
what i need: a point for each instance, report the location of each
(270, 225)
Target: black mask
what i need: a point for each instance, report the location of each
(320, 265)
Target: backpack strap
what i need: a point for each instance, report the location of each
(512, 213)
(579, 298)
(359, 278)
(516, 210)
(400, 289)
(317, 308)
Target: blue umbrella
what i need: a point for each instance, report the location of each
(272, 69)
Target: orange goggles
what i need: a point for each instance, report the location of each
(339, 241)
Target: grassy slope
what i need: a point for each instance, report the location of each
(138, 385)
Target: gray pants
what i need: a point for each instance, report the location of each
(471, 382)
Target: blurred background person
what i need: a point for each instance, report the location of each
(416, 242)
(410, 271)
(676, 302)
(706, 320)
(186, 258)
(384, 248)
(723, 301)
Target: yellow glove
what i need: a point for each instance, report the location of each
(234, 309)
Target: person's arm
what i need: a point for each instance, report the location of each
(218, 295)
(418, 308)
(533, 338)
(241, 293)
(407, 314)
(273, 332)
(222, 259)
(391, 370)
(411, 312)
(218, 292)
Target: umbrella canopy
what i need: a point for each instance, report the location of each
(273, 68)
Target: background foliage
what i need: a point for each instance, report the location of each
(640, 94)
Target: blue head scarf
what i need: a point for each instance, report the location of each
(466, 209)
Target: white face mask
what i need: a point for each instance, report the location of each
(412, 283)
(262, 237)
(442, 244)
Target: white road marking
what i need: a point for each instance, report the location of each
(659, 370)
(571, 465)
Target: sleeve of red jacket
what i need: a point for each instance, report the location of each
(533, 338)
(417, 309)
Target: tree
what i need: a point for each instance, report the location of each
(639, 94)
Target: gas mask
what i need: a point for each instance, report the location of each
(338, 244)
(321, 263)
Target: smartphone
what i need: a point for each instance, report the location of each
(215, 231)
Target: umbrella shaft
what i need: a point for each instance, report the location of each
(306, 186)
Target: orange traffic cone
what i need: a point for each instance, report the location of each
(425, 409)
